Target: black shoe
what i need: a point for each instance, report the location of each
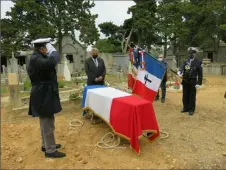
(191, 113)
(55, 154)
(57, 147)
(163, 100)
(183, 111)
(156, 99)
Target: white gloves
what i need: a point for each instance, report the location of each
(197, 86)
(50, 48)
(179, 74)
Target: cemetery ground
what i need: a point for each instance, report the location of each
(197, 141)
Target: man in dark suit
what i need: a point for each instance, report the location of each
(44, 98)
(95, 69)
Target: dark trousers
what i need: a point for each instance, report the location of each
(189, 96)
(47, 132)
(163, 89)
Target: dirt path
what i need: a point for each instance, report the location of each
(194, 142)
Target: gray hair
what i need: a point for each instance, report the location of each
(94, 50)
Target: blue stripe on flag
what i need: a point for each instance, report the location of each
(153, 66)
(85, 93)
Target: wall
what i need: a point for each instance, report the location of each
(115, 60)
(222, 54)
(214, 69)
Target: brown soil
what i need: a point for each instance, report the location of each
(197, 141)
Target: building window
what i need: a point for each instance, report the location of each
(210, 56)
(70, 58)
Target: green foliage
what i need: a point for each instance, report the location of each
(74, 96)
(116, 36)
(144, 21)
(4, 89)
(61, 83)
(27, 85)
(55, 19)
(107, 46)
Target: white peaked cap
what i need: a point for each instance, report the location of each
(193, 49)
(41, 40)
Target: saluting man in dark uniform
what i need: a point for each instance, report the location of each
(44, 98)
(192, 74)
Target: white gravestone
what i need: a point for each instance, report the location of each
(67, 74)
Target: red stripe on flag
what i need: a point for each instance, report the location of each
(131, 81)
(141, 90)
(131, 115)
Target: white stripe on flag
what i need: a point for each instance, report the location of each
(100, 100)
(155, 82)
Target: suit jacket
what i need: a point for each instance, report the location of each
(93, 72)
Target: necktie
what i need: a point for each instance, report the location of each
(96, 62)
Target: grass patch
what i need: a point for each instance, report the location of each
(4, 90)
(61, 83)
(27, 85)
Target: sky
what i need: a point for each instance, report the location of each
(114, 11)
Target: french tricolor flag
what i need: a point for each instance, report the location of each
(127, 115)
(145, 74)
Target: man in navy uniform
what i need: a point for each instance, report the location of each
(192, 74)
(44, 97)
(163, 83)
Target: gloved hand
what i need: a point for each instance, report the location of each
(179, 74)
(197, 86)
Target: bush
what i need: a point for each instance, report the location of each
(27, 85)
(61, 83)
(4, 89)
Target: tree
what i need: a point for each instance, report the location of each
(117, 35)
(106, 46)
(210, 26)
(30, 18)
(56, 18)
(171, 23)
(144, 21)
(9, 38)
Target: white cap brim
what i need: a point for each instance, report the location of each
(41, 40)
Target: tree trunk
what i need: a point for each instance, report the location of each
(217, 44)
(165, 45)
(139, 38)
(60, 38)
(123, 41)
(127, 41)
(174, 45)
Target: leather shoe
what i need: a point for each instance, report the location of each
(183, 111)
(55, 154)
(57, 147)
(191, 113)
